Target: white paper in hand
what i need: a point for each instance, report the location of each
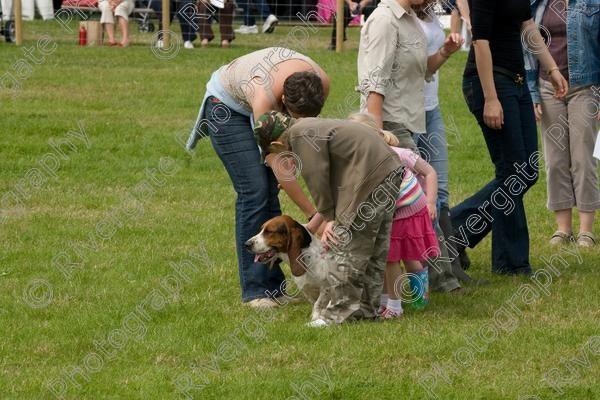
(218, 3)
(597, 147)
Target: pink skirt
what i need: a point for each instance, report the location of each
(413, 238)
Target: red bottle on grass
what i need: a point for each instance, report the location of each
(82, 36)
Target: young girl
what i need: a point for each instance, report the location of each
(412, 238)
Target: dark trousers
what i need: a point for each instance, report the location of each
(347, 18)
(186, 14)
(224, 17)
(498, 206)
(257, 191)
(262, 7)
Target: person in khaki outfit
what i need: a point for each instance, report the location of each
(569, 125)
(353, 177)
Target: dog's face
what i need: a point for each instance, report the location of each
(272, 239)
(279, 235)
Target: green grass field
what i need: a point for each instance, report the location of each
(114, 317)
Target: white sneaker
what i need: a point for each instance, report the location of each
(269, 25)
(159, 43)
(318, 323)
(245, 29)
(188, 44)
(262, 303)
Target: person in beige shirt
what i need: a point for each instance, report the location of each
(392, 66)
(274, 78)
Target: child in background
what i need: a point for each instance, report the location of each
(412, 239)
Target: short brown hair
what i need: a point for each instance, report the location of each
(304, 94)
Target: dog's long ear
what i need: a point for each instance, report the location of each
(297, 238)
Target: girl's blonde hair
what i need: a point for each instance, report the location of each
(368, 120)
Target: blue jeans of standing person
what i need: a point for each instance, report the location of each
(498, 206)
(186, 14)
(261, 6)
(433, 148)
(256, 188)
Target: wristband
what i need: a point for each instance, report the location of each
(551, 70)
(312, 216)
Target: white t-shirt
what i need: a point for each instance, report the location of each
(435, 40)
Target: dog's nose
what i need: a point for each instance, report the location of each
(248, 244)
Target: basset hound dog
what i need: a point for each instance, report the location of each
(284, 238)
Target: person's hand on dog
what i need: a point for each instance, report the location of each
(321, 229)
(329, 236)
(315, 224)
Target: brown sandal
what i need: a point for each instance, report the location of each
(586, 239)
(560, 238)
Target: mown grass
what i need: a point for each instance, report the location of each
(132, 105)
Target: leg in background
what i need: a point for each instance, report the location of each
(234, 143)
(122, 12)
(205, 23)
(157, 7)
(583, 109)
(434, 149)
(376, 267)
(500, 203)
(393, 275)
(586, 221)
(557, 158)
(356, 277)
(124, 25)
(517, 168)
(107, 20)
(395, 282)
(564, 220)
(419, 283)
(263, 9)
(347, 19)
(249, 19)
(187, 19)
(226, 23)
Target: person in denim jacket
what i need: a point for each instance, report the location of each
(569, 126)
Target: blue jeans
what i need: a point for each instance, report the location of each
(262, 7)
(256, 188)
(434, 149)
(498, 206)
(185, 14)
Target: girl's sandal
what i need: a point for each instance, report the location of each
(560, 238)
(586, 239)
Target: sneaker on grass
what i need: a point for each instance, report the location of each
(262, 303)
(319, 323)
(270, 23)
(245, 29)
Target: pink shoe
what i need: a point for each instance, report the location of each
(381, 309)
(389, 314)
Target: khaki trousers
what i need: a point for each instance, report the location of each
(569, 128)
